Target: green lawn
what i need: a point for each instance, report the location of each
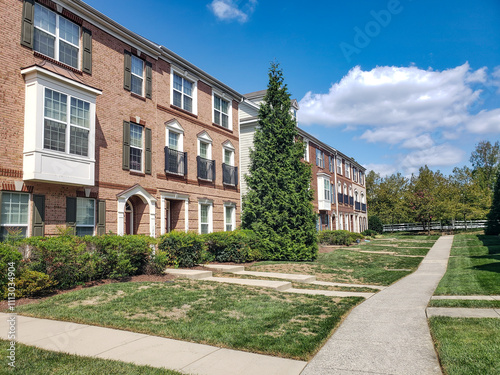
(467, 346)
(245, 318)
(481, 304)
(350, 266)
(31, 360)
(473, 268)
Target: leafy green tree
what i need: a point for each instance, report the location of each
(374, 223)
(386, 197)
(485, 160)
(278, 206)
(493, 226)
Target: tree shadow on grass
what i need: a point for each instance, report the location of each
(490, 267)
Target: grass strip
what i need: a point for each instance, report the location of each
(467, 346)
(31, 360)
(233, 316)
(464, 303)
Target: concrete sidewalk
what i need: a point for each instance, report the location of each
(388, 333)
(140, 349)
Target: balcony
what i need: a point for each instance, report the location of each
(340, 199)
(351, 201)
(346, 199)
(363, 207)
(229, 175)
(206, 169)
(357, 206)
(175, 162)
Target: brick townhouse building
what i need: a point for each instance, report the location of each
(338, 181)
(103, 130)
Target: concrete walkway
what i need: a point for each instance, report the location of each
(463, 312)
(140, 349)
(388, 333)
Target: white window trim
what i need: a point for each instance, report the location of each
(187, 76)
(228, 146)
(348, 170)
(339, 166)
(233, 215)
(223, 96)
(205, 138)
(321, 159)
(175, 127)
(93, 226)
(142, 148)
(27, 225)
(141, 77)
(57, 38)
(306, 152)
(210, 203)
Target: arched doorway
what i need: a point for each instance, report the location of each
(136, 212)
(129, 218)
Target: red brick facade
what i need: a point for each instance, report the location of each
(114, 106)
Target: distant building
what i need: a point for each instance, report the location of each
(338, 180)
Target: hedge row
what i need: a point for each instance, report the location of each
(338, 237)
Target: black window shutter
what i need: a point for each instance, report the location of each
(126, 146)
(166, 158)
(38, 215)
(213, 169)
(87, 51)
(127, 77)
(185, 164)
(149, 80)
(147, 164)
(101, 218)
(27, 23)
(71, 213)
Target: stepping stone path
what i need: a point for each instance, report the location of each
(282, 286)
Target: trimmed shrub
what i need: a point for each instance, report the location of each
(159, 261)
(8, 255)
(33, 283)
(338, 237)
(369, 232)
(184, 248)
(229, 246)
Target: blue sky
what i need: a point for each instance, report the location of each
(394, 84)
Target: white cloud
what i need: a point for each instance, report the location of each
(228, 10)
(485, 122)
(442, 155)
(422, 142)
(382, 169)
(401, 102)
(496, 77)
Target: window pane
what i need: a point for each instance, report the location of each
(84, 231)
(217, 102)
(84, 211)
(225, 122)
(45, 19)
(137, 66)
(80, 113)
(136, 135)
(217, 117)
(188, 87)
(14, 208)
(204, 214)
(135, 159)
(79, 141)
(69, 31)
(173, 140)
(136, 87)
(224, 106)
(204, 228)
(227, 157)
(177, 99)
(204, 150)
(68, 54)
(55, 105)
(188, 104)
(54, 137)
(177, 83)
(44, 43)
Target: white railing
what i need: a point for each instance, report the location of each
(436, 225)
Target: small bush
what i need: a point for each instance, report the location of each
(8, 254)
(337, 237)
(184, 248)
(374, 223)
(369, 232)
(33, 283)
(159, 261)
(229, 246)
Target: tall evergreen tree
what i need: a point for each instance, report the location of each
(493, 226)
(278, 206)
